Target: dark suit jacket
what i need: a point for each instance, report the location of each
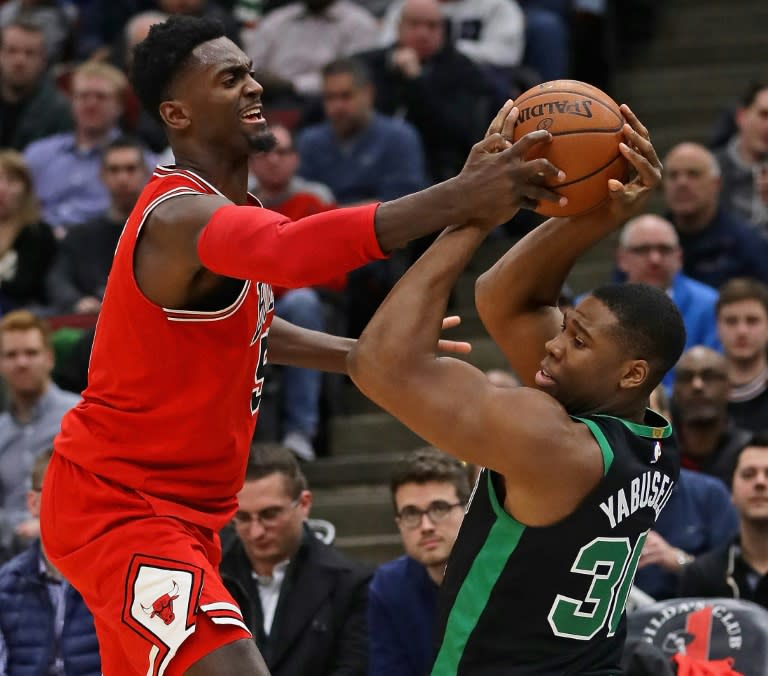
(320, 626)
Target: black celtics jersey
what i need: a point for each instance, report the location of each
(519, 600)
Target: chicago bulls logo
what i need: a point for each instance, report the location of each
(162, 606)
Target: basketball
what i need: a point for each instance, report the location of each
(586, 126)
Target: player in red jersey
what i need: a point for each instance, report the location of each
(147, 466)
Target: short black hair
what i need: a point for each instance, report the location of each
(121, 143)
(268, 458)
(349, 65)
(159, 58)
(650, 326)
(430, 464)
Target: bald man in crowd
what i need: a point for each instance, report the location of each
(717, 244)
(649, 252)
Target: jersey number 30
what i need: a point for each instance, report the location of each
(611, 563)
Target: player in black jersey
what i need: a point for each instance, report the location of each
(577, 468)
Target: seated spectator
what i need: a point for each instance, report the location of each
(697, 518)
(503, 35)
(708, 439)
(649, 253)
(742, 326)
(56, 20)
(717, 245)
(361, 156)
(742, 161)
(423, 79)
(32, 421)
(30, 105)
(78, 277)
(290, 45)
(45, 627)
(402, 597)
(304, 602)
(65, 167)
(738, 568)
(27, 245)
(278, 188)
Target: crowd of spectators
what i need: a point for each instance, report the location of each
(369, 100)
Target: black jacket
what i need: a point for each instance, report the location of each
(320, 626)
(723, 573)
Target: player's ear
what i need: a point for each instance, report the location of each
(175, 114)
(635, 374)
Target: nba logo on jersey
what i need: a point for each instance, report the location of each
(656, 452)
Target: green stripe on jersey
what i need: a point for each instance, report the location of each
(502, 539)
(605, 446)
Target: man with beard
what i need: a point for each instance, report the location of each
(147, 467)
(738, 569)
(30, 105)
(709, 441)
(429, 491)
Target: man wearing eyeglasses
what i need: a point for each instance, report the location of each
(649, 253)
(429, 492)
(303, 601)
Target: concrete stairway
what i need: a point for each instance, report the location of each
(704, 54)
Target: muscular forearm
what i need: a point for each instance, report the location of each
(407, 325)
(291, 345)
(413, 216)
(531, 274)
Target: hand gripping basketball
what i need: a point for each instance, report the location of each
(500, 180)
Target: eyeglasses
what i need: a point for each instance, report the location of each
(686, 377)
(437, 511)
(267, 517)
(646, 249)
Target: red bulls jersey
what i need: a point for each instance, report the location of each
(173, 395)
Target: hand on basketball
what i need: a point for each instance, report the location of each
(629, 199)
(499, 180)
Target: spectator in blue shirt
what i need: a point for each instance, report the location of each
(717, 245)
(65, 167)
(429, 491)
(360, 155)
(649, 253)
(698, 518)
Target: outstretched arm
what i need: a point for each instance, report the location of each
(447, 402)
(516, 299)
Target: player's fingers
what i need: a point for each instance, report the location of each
(543, 169)
(633, 122)
(525, 143)
(508, 127)
(497, 123)
(635, 140)
(649, 175)
(541, 192)
(455, 346)
(451, 321)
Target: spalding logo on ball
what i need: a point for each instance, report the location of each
(586, 126)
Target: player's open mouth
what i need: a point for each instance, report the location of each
(252, 115)
(543, 378)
